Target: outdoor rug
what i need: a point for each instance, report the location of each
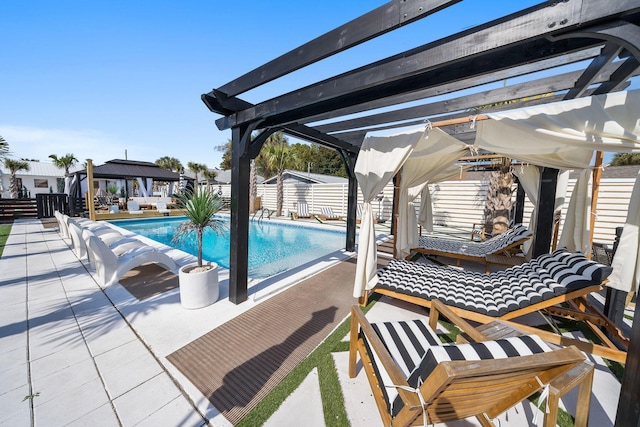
(237, 364)
(149, 280)
(49, 223)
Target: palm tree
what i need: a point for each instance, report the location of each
(200, 208)
(209, 175)
(15, 166)
(4, 148)
(278, 156)
(197, 168)
(64, 162)
(253, 186)
(499, 199)
(169, 163)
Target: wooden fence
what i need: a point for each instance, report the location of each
(455, 203)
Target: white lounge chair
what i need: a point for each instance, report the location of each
(133, 207)
(62, 224)
(118, 243)
(110, 267)
(162, 208)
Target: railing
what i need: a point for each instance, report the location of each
(47, 204)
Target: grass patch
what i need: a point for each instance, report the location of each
(5, 230)
(331, 392)
(335, 413)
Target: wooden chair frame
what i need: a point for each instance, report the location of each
(579, 309)
(461, 389)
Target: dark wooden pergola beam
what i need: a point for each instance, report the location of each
(528, 89)
(533, 23)
(609, 53)
(457, 85)
(384, 19)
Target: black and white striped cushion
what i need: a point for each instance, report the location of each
(477, 249)
(500, 292)
(525, 345)
(407, 342)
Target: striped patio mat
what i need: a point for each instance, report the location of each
(237, 364)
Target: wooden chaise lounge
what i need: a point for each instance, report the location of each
(503, 244)
(417, 380)
(540, 284)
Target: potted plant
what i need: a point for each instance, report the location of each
(198, 282)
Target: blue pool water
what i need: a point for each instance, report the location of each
(273, 247)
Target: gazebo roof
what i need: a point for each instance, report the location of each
(119, 169)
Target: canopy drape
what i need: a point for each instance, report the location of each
(431, 157)
(425, 214)
(562, 135)
(380, 158)
(626, 261)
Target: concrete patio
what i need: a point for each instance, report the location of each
(83, 355)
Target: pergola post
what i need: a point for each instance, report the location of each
(352, 200)
(545, 211)
(519, 211)
(239, 244)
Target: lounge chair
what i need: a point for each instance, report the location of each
(503, 244)
(302, 210)
(416, 380)
(328, 215)
(134, 208)
(111, 267)
(62, 224)
(162, 208)
(540, 284)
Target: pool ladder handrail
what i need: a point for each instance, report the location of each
(262, 211)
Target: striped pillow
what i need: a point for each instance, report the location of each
(525, 345)
(407, 342)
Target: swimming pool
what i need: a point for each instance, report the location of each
(274, 247)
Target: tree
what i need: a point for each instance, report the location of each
(625, 159)
(169, 163)
(196, 168)
(499, 199)
(225, 149)
(4, 148)
(253, 186)
(15, 166)
(209, 175)
(277, 156)
(65, 162)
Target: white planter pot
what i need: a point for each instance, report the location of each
(199, 289)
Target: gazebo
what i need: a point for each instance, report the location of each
(124, 172)
(599, 38)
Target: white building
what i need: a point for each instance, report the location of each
(42, 177)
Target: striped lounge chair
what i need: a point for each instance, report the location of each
(504, 243)
(417, 380)
(540, 284)
(327, 214)
(302, 210)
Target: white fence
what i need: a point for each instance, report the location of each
(455, 203)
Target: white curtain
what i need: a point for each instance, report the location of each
(626, 262)
(143, 189)
(430, 158)
(380, 158)
(576, 231)
(529, 177)
(564, 135)
(425, 214)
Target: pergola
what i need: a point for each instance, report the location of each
(600, 37)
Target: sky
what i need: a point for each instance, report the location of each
(114, 79)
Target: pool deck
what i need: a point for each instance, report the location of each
(84, 355)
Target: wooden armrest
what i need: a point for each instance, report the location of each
(438, 307)
(360, 322)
